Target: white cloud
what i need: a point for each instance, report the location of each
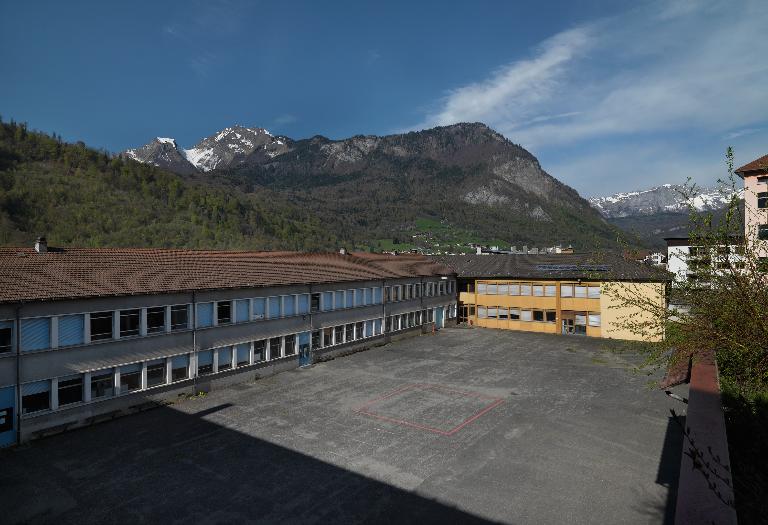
(285, 119)
(512, 90)
(202, 63)
(741, 133)
(663, 72)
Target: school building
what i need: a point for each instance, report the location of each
(569, 294)
(88, 334)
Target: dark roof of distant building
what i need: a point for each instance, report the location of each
(68, 273)
(587, 266)
(757, 166)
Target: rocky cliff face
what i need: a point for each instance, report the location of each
(228, 148)
(466, 174)
(236, 145)
(163, 153)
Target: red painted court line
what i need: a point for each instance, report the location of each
(405, 423)
(471, 419)
(386, 396)
(462, 392)
(424, 386)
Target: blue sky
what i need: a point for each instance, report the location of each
(609, 97)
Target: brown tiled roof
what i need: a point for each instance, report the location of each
(760, 164)
(26, 275)
(588, 266)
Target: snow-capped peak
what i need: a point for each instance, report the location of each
(237, 132)
(667, 198)
(229, 147)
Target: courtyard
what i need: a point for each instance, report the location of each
(466, 426)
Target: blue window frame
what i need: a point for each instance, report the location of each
(243, 354)
(35, 334)
(71, 330)
(274, 307)
(205, 362)
(35, 396)
(241, 310)
(204, 315)
(377, 296)
(180, 367)
(259, 308)
(289, 305)
(327, 301)
(7, 419)
(225, 358)
(341, 301)
(304, 303)
(359, 297)
(368, 296)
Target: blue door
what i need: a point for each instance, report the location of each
(7, 416)
(439, 317)
(305, 355)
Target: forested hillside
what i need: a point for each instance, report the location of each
(78, 196)
(436, 189)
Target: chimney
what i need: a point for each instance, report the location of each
(41, 245)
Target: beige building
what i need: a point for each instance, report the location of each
(577, 294)
(755, 175)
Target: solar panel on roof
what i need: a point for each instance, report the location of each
(573, 267)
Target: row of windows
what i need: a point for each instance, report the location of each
(125, 379)
(68, 330)
(704, 251)
(539, 290)
(414, 291)
(41, 333)
(102, 384)
(705, 263)
(544, 316)
(336, 335)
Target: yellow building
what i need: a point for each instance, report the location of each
(560, 294)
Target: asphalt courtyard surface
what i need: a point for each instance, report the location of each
(467, 426)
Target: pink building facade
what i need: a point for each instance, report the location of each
(755, 175)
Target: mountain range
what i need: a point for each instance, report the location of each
(229, 147)
(667, 198)
(451, 184)
(661, 211)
